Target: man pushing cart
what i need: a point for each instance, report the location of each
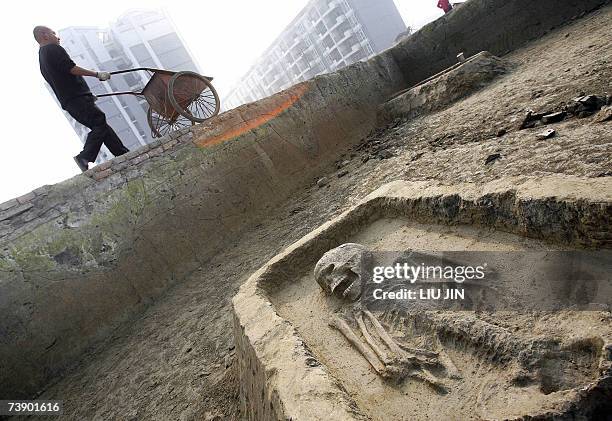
(176, 99)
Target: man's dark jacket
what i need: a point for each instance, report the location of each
(55, 65)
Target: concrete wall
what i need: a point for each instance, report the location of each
(78, 258)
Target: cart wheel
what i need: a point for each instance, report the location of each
(161, 126)
(193, 96)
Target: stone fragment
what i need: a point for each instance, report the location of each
(342, 173)
(43, 190)
(26, 198)
(417, 156)
(131, 154)
(587, 100)
(532, 118)
(155, 143)
(384, 154)
(119, 159)
(322, 182)
(492, 158)
(14, 211)
(104, 166)
(501, 132)
(7, 205)
(554, 117)
(528, 121)
(573, 108)
(156, 152)
(102, 174)
(170, 144)
(140, 159)
(546, 134)
(121, 166)
(586, 105)
(605, 114)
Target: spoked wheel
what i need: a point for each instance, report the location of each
(161, 126)
(193, 96)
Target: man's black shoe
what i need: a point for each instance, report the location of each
(82, 163)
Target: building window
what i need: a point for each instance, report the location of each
(140, 53)
(165, 43)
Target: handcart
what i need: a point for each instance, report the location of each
(176, 99)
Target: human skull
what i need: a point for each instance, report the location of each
(339, 271)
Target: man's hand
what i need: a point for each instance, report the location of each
(102, 76)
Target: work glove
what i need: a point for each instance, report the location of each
(102, 76)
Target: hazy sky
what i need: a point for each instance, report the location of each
(37, 143)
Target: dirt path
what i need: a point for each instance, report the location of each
(170, 363)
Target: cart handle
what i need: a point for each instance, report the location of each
(141, 68)
(150, 69)
(119, 93)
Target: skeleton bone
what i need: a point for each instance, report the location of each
(451, 369)
(426, 377)
(364, 331)
(348, 333)
(393, 346)
(339, 272)
(404, 353)
(395, 368)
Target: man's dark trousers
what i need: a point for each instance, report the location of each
(84, 110)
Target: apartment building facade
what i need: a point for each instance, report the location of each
(139, 38)
(325, 36)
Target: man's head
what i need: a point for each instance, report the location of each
(45, 36)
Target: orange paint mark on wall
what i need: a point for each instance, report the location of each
(263, 117)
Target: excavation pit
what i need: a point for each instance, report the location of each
(506, 365)
(442, 89)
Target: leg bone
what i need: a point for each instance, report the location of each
(387, 339)
(368, 338)
(426, 377)
(398, 350)
(348, 333)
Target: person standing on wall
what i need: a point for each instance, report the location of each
(66, 81)
(445, 5)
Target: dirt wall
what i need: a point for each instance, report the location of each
(497, 26)
(87, 254)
